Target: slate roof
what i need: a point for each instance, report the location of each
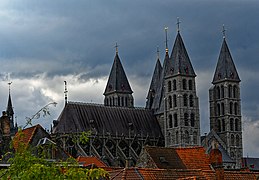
(225, 69)
(117, 81)
(179, 158)
(154, 85)
(180, 59)
(251, 163)
(78, 117)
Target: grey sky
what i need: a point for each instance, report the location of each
(43, 43)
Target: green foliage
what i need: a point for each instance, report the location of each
(26, 166)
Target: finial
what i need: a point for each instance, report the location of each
(116, 47)
(166, 40)
(9, 84)
(157, 51)
(65, 92)
(224, 31)
(178, 24)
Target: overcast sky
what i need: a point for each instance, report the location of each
(43, 43)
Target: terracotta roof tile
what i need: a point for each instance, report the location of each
(90, 161)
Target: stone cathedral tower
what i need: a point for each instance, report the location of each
(174, 100)
(118, 91)
(225, 105)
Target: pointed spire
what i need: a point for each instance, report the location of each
(225, 69)
(117, 81)
(9, 109)
(166, 40)
(181, 61)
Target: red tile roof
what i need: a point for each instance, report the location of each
(26, 136)
(87, 161)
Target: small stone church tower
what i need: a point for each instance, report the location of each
(118, 91)
(225, 105)
(174, 100)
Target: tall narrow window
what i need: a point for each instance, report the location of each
(232, 140)
(230, 91)
(126, 101)
(192, 120)
(190, 84)
(230, 108)
(222, 92)
(174, 84)
(223, 108)
(223, 125)
(119, 100)
(218, 92)
(170, 101)
(122, 101)
(177, 137)
(175, 120)
(218, 109)
(236, 125)
(237, 140)
(175, 100)
(219, 125)
(170, 121)
(235, 108)
(187, 137)
(231, 124)
(235, 91)
(169, 138)
(191, 100)
(186, 123)
(195, 137)
(169, 85)
(184, 84)
(185, 99)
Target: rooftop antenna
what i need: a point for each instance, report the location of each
(178, 24)
(65, 92)
(166, 40)
(224, 31)
(9, 83)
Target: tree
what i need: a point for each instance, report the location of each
(25, 166)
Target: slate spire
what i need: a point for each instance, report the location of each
(117, 81)
(225, 69)
(9, 109)
(180, 59)
(118, 91)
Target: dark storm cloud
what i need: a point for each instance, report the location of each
(49, 41)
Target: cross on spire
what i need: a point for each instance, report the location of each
(178, 24)
(116, 47)
(166, 40)
(224, 31)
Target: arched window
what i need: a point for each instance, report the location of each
(192, 120)
(223, 108)
(170, 101)
(169, 86)
(235, 108)
(230, 108)
(184, 84)
(191, 100)
(230, 91)
(235, 91)
(219, 125)
(122, 101)
(186, 123)
(232, 140)
(223, 125)
(237, 140)
(174, 84)
(175, 100)
(218, 92)
(218, 109)
(185, 99)
(175, 120)
(236, 125)
(190, 84)
(126, 101)
(187, 137)
(177, 137)
(170, 121)
(222, 91)
(231, 124)
(195, 137)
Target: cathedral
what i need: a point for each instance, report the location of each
(119, 130)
